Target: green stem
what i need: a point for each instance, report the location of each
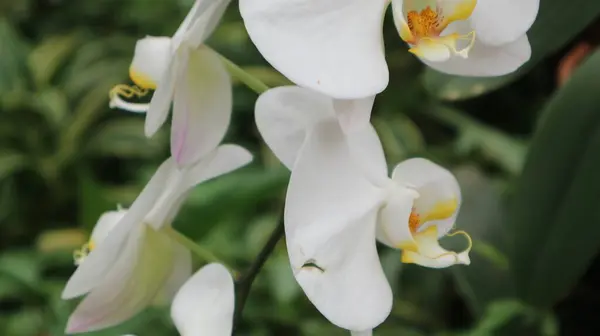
(250, 81)
(199, 251)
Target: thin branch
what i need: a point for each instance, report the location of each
(244, 283)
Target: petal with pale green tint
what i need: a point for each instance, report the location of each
(500, 22)
(344, 60)
(181, 271)
(330, 216)
(439, 193)
(202, 107)
(129, 286)
(362, 333)
(202, 22)
(204, 305)
(150, 61)
(101, 260)
(179, 182)
(431, 254)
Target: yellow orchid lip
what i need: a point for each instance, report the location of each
(143, 85)
(422, 31)
(141, 80)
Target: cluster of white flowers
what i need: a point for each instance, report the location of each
(340, 200)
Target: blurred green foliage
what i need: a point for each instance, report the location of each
(525, 152)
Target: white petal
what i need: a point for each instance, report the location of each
(118, 102)
(344, 60)
(431, 254)
(202, 107)
(434, 184)
(150, 61)
(205, 304)
(140, 271)
(181, 271)
(285, 114)
(392, 227)
(105, 224)
(500, 22)
(204, 22)
(487, 61)
(330, 221)
(223, 160)
(100, 261)
(355, 113)
(348, 285)
(158, 111)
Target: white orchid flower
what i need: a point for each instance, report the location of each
(184, 71)
(336, 46)
(340, 200)
(129, 262)
(205, 303)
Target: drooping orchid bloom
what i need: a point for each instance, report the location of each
(188, 74)
(340, 200)
(336, 46)
(129, 262)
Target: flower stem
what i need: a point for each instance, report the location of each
(201, 252)
(244, 283)
(250, 81)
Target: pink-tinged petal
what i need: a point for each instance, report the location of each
(202, 107)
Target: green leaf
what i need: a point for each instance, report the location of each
(124, 137)
(13, 53)
(555, 214)
(558, 22)
(487, 278)
(47, 57)
(10, 163)
(495, 145)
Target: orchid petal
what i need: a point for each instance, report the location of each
(393, 225)
(100, 261)
(344, 60)
(431, 254)
(485, 60)
(223, 160)
(204, 305)
(437, 188)
(204, 22)
(158, 111)
(106, 223)
(150, 61)
(202, 107)
(181, 271)
(285, 114)
(501, 22)
(330, 231)
(129, 286)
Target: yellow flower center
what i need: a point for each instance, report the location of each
(143, 85)
(423, 29)
(80, 255)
